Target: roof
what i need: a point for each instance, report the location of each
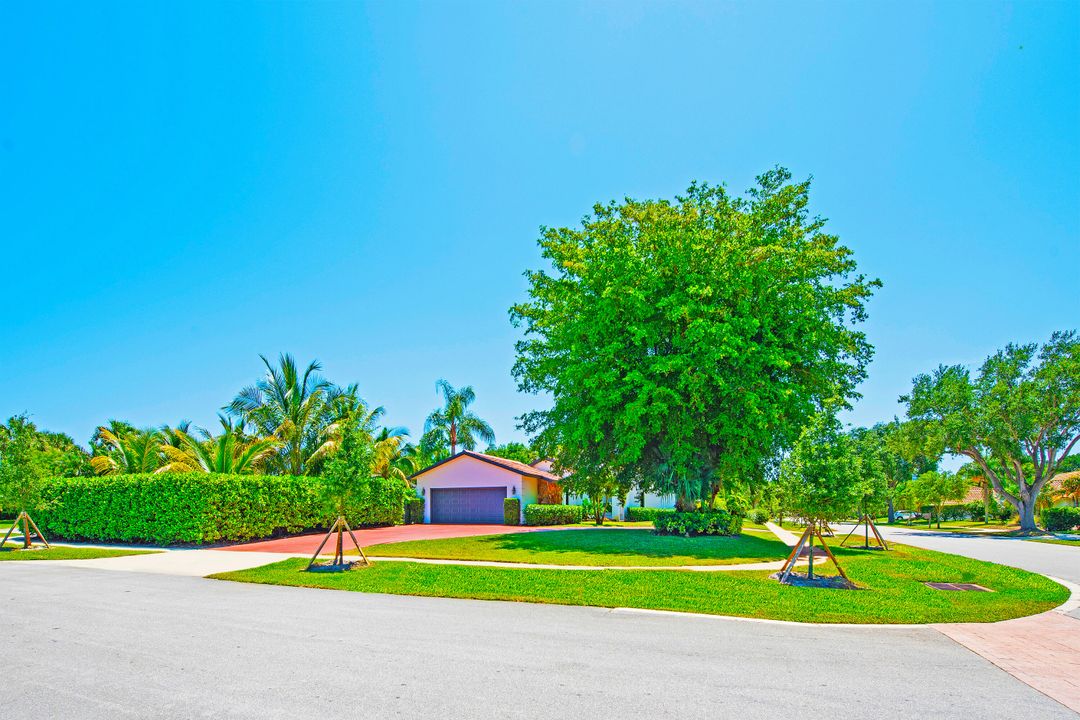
(513, 466)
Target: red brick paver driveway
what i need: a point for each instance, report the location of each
(307, 544)
(1042, 651)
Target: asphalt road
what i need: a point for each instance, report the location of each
(84, 643)
(1061, 561)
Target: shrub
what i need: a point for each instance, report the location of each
(1060, 519)
(414, 510)
(758, 516)
(642, 514)
(511, 511)
(714, 522)
(204, 508)
(552, 514)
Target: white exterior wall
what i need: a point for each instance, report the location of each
(617, 510)
(468, 472)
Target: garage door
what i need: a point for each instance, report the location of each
(467, 505)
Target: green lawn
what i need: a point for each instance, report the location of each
(593, 547)
(966, 526)
(1057, 541)
(892, 588)
(14, 551)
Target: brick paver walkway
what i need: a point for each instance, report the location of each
(1042, 651)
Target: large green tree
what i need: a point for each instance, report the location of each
(512, 451)
(1018, 418)
(454, 424)
(686, 342)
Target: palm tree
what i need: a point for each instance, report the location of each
(231, 452)
(453, 424)
(123, 449)
(299, 409)
(394, 457)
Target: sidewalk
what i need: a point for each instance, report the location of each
(192, 563)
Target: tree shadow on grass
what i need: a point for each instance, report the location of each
(628, 543)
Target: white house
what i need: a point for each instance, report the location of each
(470, 487)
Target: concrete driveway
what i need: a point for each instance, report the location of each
(88, 644)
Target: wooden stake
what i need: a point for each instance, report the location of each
(11, 529)
(340, 527)
(833, 558)
(793, 558)
(47, 545)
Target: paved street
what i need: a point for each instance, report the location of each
(1060, 561)
(88, 643)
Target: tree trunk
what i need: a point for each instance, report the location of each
(892, 512)
(1026, 510)
(684, 504)
(26, 530)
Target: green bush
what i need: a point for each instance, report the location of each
(169, 508)
(714, 522)
(511, 511)
(645, 514)
(1060, 519)
(414, 510)
(552, 514)
(758, 516)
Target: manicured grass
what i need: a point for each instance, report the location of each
(892, 588)
(963, 526)
(14, 551)
(614, 547)
(1057, 541)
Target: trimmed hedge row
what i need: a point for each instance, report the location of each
(512, 511)
(643, 514)
(171, 508)
(414, 510)
(713, 522)
(1060, 519)
(552, 514)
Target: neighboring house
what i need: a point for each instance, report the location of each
(470, 487)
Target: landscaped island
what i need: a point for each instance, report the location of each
(892, 585)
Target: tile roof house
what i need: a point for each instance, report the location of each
(470, 487)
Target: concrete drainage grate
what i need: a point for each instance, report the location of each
(963, 587)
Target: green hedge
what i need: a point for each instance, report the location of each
(645, 514)
(759, 516)
(171, 508)
(1060, 519)
(512, 511)
(552, 514)
(414, 510)
(713, 522)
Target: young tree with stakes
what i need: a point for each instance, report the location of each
(346, 477)
(818, 478)
(21, 476)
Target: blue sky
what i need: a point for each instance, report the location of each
(185, 186)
